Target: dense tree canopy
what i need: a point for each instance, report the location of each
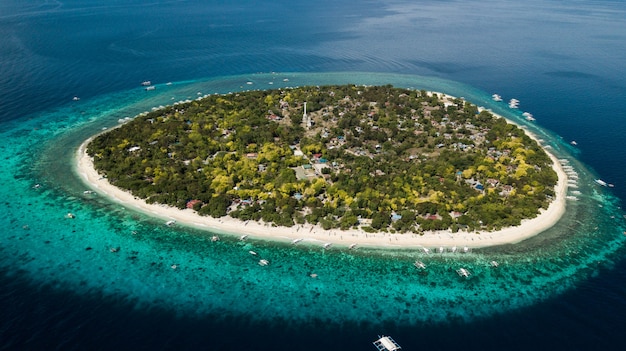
(377, 157)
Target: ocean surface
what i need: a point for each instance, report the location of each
(62, 287)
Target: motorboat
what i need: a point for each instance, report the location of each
(462, 272)
(263, 262)
(419, 265)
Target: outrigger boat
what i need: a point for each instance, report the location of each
(462, 272)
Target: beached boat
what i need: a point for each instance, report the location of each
(327, 245)
(352, 246)
(243, 237)
(496, 97)
(215, 238)
(462, 272)
(170, 223)
(295, 241)
(386, 343)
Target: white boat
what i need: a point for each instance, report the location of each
(263, 262)
(496, 97)
(70, 215)
(529, 116)
(215, 238)
(152, 87)
(441, 249)
(419, 265)
(600, 182)
(352, 246)
(494, 264)
(327, 245)
(243, 237)
(453, 250)
(573, 142)
(426, 250)
(295, 241)
(462, 272)
(170, 223)
(146, 83)
(386, 343)
(513, 103)
(89, 192)
(75, 98)
(466, 249)
(252, 253)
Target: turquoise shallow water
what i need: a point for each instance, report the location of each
(362, 286)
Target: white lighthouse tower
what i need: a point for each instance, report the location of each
(306, 120)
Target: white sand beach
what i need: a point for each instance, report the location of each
(316, 235)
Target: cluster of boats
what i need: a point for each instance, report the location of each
(514, 103)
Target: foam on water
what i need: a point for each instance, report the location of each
(224, 279)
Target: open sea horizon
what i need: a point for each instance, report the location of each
(61, 288)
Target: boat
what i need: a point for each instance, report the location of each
(600, 182)
(494, 264)
(146, 83)
(528, 116)
(386, 343)
(170, 223)
(513, 103)
(466, 249)
(75, 98)
(70, 215)
(174, 266)
(352, 246)
(453, 250)
(295, 241)
(327, 245)
(152, 87)
(441, 249)
(215, 238)
(252, 253)
(419, 265)
(462, 272)
(426, 250)
(89, 192)
(573, 142)
(243, 237)
(496, 97)
(263, 262)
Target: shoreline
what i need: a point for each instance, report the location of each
(315, 234)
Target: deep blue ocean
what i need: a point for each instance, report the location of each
(62, 289)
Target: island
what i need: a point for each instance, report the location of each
(373, 165)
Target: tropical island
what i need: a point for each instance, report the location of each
(376, 159)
